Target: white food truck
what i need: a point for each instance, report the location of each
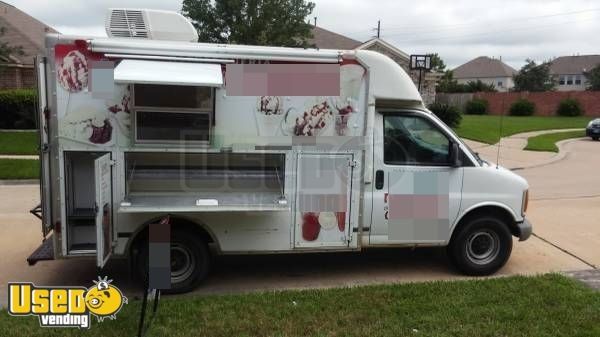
(250, 149)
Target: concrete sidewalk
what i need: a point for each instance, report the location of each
(512, 153)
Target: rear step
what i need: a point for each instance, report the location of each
(44, 252)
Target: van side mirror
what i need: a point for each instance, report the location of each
(454, 159)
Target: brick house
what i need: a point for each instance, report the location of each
(325, 39)
(20, 30)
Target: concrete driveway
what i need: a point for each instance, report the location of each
(565, 195)
(564, 211)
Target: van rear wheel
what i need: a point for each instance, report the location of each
(481, 246)
(190, 261)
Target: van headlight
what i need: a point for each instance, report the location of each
(525, 202)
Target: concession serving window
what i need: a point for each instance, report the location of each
(211, 182)
(173, 102)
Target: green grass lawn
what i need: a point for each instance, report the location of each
(19, 142)
(549, 305)
(548, 141)
(486, 129)
(19, 169)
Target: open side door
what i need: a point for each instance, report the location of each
(103, 208)
(43, 210)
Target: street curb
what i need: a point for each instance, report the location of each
(562, 154)
(20, 156)
(9, 182)
(589, 277)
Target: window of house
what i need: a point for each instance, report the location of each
(412, 140)
(170, 113)
(562, 80)
(500, 84)
(569, 80)
(578, 79)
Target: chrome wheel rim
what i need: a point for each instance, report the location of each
(483, 247)
(183, 263)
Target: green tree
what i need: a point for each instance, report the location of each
(534, 77)
(593, 78)
(479, 86)
(437, 64)
(6, 50)
(448, 84)
(252, 22)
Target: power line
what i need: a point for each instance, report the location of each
(452, 26)
(500, 21)
(490, 33)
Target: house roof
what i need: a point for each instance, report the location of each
(573, 65)
(22, 30)
(324, 39)
(482, 67)
(393, 49)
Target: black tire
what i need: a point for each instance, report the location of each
(481, 246)
(594, 138)
(189, 254)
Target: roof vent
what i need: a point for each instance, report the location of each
(149, 24)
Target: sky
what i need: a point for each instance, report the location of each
(458, 30)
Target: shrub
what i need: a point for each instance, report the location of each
(477, 106)
(569, 107)
(447, 113)
(522, 107)
(18, 109)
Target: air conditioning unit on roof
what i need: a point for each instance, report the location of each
(149, 24)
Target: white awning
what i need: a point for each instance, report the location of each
(171, 73)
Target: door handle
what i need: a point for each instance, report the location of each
(379, 179)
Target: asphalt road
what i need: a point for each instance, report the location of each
(564, 210)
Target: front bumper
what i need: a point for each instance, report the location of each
(524, 230)
(592, 132)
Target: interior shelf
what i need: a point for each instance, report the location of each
(82, 213)
(201, 182)
(204, 202)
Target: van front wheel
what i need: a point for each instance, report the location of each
(481, 246)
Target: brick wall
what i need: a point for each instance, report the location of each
(16, 77)
(546, 103)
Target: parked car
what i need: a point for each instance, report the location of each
(593, 129)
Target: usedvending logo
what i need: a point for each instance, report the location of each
(66, 306)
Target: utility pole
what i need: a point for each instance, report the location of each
(378, 27)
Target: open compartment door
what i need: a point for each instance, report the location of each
(103, 208)
(43, 210)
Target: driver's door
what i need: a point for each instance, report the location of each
(416, 192)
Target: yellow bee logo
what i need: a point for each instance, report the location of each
(104, 299)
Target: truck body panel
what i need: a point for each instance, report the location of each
(278, 174)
